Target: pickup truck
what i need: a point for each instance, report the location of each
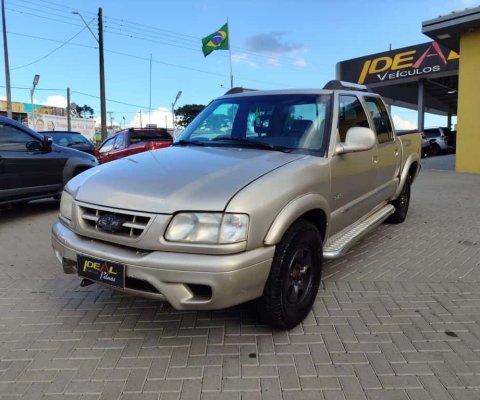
(246, 204)
(133, 141)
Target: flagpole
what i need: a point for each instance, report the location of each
(230, 54)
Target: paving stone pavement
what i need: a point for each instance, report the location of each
(398, 318)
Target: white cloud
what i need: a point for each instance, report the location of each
(157, 117)
(272, 61)
(55, 101)
(300, 62)
(403, 124)
(3, 98)
(238, 58)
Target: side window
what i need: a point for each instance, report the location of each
(107, 146)
(351, 114)
(381, 121)
(13, 139)
(119, 141)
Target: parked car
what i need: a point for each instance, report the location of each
(133, 141)
(75, 140)
(248, 201)
(444, 141)
(32, 166)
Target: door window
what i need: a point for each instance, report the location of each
(351, 114)
(107, 146)
(119, 141)
(381, 120)
(13, 139)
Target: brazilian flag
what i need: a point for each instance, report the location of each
(216, 41)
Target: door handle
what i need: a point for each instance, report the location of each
(396, 152)
(375, 159)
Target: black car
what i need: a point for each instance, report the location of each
(75, 140)
(32, 166)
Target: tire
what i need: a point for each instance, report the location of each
(435, 150)
(292, 286)
(401, 203)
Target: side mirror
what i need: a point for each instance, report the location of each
(47, 143)
(33, 146)
(358, 139)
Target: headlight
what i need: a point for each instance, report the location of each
(66, 205)
(215, 228)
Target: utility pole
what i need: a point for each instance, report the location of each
(69, 115)
(7, 66)
(103, 101)
(111, 118)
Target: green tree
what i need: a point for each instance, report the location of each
(85, 111)
(186, 114)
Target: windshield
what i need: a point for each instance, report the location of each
(66, 138)
(296, 122)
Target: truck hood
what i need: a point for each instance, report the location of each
(176, 178)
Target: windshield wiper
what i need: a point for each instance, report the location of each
(255, 143)
(184, 142)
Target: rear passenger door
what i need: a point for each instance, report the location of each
(353, 175)
(389, 150)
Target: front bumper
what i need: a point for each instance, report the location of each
(186, 281)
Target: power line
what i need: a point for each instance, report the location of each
(40, 16)
(147, 59)
(112, 101)
(196, 48)
(69, 7)
(192, 69)
(22, 4)
(184, 38)
(53, 51)
(36, 88)
(52, 40)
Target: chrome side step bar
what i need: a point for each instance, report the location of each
(341, 242)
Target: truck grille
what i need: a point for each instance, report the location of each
(132, 227)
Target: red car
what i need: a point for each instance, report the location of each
(132, 141)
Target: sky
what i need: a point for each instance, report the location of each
(275, 44)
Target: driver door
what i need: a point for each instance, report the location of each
(105, 150)
(353, 175)
(24, 171)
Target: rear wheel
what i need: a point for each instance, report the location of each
(435, 150)
(294, 278)
(401, 204)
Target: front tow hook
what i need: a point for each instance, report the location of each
(86, 282)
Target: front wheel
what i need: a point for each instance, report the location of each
(402, 203)
(294, 279)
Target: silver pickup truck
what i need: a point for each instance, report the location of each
(246, 203)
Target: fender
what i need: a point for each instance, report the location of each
(73, 163)
(406, 169)
(294, 210)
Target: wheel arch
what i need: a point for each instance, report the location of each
(312, 207)
(411, 168)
